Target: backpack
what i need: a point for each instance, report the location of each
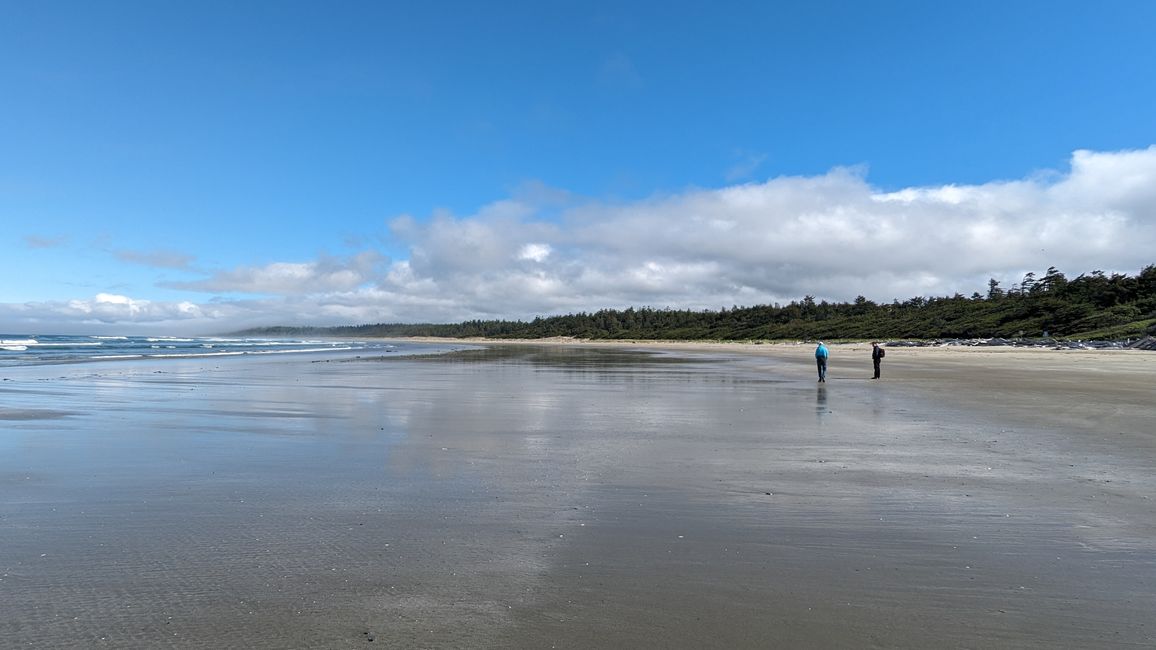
(882, 353)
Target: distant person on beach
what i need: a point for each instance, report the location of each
(821, 355)
(876, 356)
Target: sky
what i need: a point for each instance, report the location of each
(200, 167)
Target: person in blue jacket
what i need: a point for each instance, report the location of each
(821, 355)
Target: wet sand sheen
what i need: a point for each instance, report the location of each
(582, 496)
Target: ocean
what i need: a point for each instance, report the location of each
(21, 350)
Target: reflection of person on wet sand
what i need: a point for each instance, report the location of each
(821, 401)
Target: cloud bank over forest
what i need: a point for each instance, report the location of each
(545, 251)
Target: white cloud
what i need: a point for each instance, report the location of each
(535, 252)
(290, 278)
(103, 310)
(833, 236)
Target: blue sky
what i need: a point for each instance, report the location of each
(172, 166)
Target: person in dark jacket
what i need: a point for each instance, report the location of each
(876, 356)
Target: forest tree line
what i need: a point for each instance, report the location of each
(1092, 306)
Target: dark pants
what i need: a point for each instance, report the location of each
(876, 362)
(822, 364)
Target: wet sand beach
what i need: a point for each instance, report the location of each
(582, 496)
